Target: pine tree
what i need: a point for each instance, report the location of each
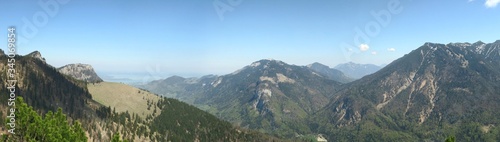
(52, 127)
(116, 138)
(450, 139)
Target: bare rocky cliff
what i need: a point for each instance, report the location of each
(82, 72)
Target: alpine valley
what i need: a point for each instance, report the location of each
(432, 93)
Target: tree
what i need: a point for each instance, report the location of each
(52, 127)
(450, 139)
(116, 138)
(78, 131)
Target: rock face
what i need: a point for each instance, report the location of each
(36, 55)
(2, 53)
(82, 72)
(437, 84)
(357, 71)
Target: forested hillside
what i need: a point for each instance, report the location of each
(50, 96)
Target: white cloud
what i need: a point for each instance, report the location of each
(364, 47)
(391, 49)
(374, 53)
(491, 3)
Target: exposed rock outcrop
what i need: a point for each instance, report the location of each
(82, 72)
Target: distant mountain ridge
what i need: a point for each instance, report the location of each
(356, 71)
(330, 73)
(84, 72)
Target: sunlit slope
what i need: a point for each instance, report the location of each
(124, 98)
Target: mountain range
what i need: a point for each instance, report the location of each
(357, 71)
(435, 91)
(267, 95)
(47, 92)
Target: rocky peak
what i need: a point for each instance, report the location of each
(459, 44)
(432, 44)
(486, 50)
(478, 43)
(36, 55)
(264, 64)
(2, 53)
(82, 72)
(270, 62)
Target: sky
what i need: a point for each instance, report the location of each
(190, 38)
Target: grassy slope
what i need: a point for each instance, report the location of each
(123, 97)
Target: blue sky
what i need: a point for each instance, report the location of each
(190, 38)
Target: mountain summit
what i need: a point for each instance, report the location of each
(82, 72)
(36, 55)
(435, 87)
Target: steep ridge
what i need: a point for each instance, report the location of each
(36, 55)
(433, 87)
(44, 88)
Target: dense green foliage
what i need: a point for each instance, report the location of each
(450, 139)
(53, 127)
(179, 121)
